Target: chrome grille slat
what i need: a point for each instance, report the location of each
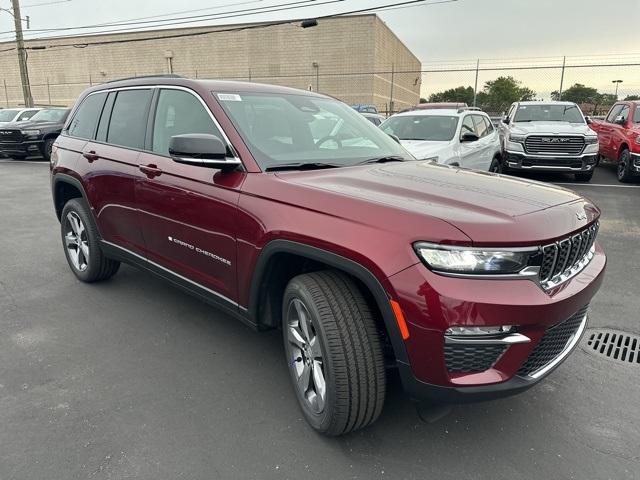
(550, 144)
(564, 258)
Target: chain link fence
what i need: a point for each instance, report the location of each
(595, 83)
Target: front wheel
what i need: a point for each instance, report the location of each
(496, 165)
(333, 351)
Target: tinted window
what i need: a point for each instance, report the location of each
(85, 120)
(437, 128)
(636, 115)
(179, 112)
(129, 118)
(481, 126)
(613, 113)
(101, 136)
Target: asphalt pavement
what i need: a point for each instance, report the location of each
(132, 378)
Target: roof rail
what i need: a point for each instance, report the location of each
(462, 109)
(166, 75)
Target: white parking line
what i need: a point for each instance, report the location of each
(596, 185)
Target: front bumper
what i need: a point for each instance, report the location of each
(521, 161)
(23, 149)
(635, 162)
(440, 302)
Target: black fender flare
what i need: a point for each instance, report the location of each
(339, 262)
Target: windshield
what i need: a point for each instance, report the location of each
(436, 128)
(282, 129)
(50, 115)
(549, 113)
(7, 115)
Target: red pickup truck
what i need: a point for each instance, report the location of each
(619, 138)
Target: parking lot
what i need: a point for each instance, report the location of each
(132, 378)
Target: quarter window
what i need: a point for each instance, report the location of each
(129, 118)
(179, 112)
(85, 120)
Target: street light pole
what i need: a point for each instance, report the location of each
(22, 55)
(617, 82)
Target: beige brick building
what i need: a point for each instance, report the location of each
(353, 58)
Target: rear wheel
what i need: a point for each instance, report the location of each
(625, 172)
(80, 240)
(333, 351)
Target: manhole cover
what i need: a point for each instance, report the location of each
(614, 344)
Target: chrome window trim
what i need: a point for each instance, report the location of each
(161, 87)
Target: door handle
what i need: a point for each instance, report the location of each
(91, 155)
(150, 170)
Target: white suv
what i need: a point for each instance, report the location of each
(464, 137)
(11, 115)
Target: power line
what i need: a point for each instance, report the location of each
(177, 21)
(231, 29)
(30, 5)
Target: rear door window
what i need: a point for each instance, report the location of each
(85, 120)
(128, 123)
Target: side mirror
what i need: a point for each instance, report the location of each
(587, 118)
(201, 149)
(506, 120)
(395, 137)
(469, 137)
(620, 120)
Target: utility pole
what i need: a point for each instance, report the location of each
(564, 61)
(391, 106)
(617, 82)
(22, 55)
(475, 86)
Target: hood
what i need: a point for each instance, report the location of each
(424, 148)
(551, 128)
(488, 208)
(29, 125)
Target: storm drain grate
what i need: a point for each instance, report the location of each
(614, 344)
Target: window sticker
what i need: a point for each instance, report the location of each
(229, 97)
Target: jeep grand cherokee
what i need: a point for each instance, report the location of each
(290, 210)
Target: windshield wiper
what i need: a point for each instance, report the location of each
(385, 159)
(301, 166)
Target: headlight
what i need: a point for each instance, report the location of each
(590, 140)
(470, 260)
(516, 138)
(638, 139)
(30, 133)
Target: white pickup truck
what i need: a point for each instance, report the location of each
(551, 136)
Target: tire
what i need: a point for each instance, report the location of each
(340, 345)
(80, 241)
(46, 148)
(584, 177)
(625, 174)
(496, 165)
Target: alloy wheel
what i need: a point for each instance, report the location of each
(622, 167)
(76, 241)
(306, 360)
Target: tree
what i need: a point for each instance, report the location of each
(632, 97)
(498, 94)
(577, 93)
(423, 100)
(458, 94)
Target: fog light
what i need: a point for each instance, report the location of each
(467, 331)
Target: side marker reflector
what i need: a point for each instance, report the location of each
(402, 324)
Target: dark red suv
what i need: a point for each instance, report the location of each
(290, 210)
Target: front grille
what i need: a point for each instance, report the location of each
(471, 358)
(561, 257)
(552, 343)
(10, 136)
(551, 144)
